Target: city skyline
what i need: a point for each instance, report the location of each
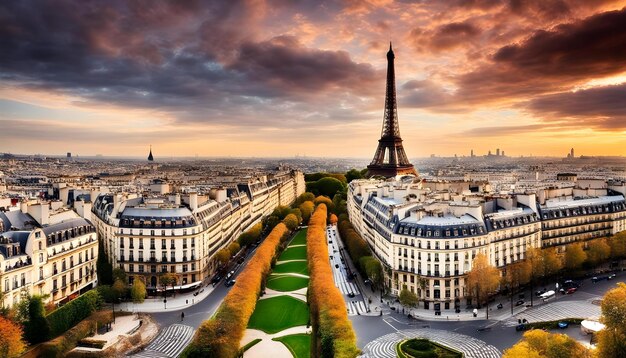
(234, 79)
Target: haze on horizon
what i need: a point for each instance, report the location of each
(277, 78)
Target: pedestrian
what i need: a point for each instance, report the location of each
(182, 316)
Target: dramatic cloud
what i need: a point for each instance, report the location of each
(552, 60)
(601, 108)
(275, 71)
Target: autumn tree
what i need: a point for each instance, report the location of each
(575, 256)
(306, 209)
(11, 343)
(291, 221)
(324, 200)
(408, 298)
(541, 344)
(304, 197)
(119, 289)
(517, 274)
(168, 279)
(138, 291)
(483, 279)
(551, 261)
(333, 219)
(251, 235)
(233, 248)
(599, 251)
(223, 256)
(612, 339)
(617, 244)
(535, 259)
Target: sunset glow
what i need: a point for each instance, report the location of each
(282, 78)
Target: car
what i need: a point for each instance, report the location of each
(520, 327)
(571, 290)
(230, 283)
(519, 302)
(241, 260)
(547, 294)
(216, 279)
(571, 283)
(611, 276)
(540, 292)
(595, 279)
(336, 265)
(351, 294)
(563, 325)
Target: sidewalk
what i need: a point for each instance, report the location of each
(179, 302)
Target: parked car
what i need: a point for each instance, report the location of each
(230, 283)
(595, 279)
(520, 327)
(571, 290)
(611, 276)
(563, 325)
(547, 294)
(540, 292)
(519, 302)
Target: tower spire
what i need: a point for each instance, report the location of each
(150, 157)
(390, 158)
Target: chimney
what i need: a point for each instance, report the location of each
(193, 201)
(40, 212)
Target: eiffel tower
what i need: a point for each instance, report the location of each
(390, 159)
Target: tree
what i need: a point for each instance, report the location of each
(612, 339)
(333, 219)
(618, 245)
(168, 279)
(291, 221)
(599, 251)
(306, 209)
(119, 289)
(535, 259)
(517, 274)
(297, 213)
(281, 211)
(538, 343)
(103, 267)
(36, 328)
(353, 174)
(223, 256)
(483, 279)
(324, 200)
(250, 236)
(552, 263)
(304, 197)
(408, 298)
(270, 222)
(138, 291)
(11, 343)
(233, 249)
(575, 256)
(329, 186)
(373, 270)
(119, 274)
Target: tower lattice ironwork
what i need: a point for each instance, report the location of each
(390, 159)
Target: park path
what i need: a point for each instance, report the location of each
(267, 347)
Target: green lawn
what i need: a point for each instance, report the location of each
(300, 238)
(298, 344)
(275, 314)
(292, 267)
(286, 283)
(293, 253)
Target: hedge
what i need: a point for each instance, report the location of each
(220, 335)
(67, 316)
(333, 334)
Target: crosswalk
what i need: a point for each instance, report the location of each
(385, 346)
(169, 343)
(558, 310)
(356, 307)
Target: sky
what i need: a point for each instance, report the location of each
(282, 78)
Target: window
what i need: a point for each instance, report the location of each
(41, 273)
(40, 258)
(40, 245)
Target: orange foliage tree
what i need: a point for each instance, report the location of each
(333, 219)
(11, 343)
(333, 334)
(220, 335)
